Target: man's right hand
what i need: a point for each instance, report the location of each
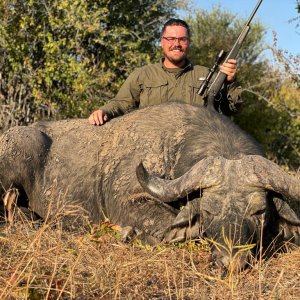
(98, 117)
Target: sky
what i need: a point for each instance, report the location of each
(273, 14)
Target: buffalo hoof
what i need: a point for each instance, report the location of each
(187, 214)
(182, 234)
(129, 234)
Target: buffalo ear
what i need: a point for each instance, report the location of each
(288, 220)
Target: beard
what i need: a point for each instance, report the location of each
(176, 57)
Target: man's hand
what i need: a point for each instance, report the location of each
(98, 117)
(230, 69)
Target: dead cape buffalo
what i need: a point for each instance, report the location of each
(194, 156)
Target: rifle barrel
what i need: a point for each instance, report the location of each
(254, 11)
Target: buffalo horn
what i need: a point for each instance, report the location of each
(201, 175)
(262, 172)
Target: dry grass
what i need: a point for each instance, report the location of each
(49, 263)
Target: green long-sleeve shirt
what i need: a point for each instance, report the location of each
(154, 84)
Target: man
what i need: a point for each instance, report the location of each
(173, 79)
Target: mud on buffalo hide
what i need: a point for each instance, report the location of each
(95, 166)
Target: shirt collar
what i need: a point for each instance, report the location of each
(188, 66)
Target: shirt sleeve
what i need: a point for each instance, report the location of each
(231, 101)
(128, 97)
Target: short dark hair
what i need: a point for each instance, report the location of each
(176, 22)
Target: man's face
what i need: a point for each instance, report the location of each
(175, 50)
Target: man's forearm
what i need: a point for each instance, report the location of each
(116, 107)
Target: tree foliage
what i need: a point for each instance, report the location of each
(298, 9)
(274, 105)
(64, 57)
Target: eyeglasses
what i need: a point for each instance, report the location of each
(172, 40)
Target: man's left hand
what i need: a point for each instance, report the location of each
(230, 69)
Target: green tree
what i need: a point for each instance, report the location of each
(272, 116)
(63, 57)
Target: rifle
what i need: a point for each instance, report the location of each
(210, 91)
